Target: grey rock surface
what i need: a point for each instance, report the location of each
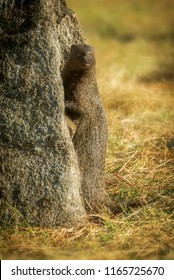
(39, 174)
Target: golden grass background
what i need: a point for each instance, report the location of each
(134, 42)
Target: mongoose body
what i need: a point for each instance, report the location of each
(84, 108)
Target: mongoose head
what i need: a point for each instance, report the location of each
(83, 56)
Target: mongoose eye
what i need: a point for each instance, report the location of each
(89, 55)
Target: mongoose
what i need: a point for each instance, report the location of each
(71, 126)
(84, 108)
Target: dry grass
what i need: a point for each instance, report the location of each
(136, 79)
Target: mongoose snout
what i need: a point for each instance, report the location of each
(83, 55)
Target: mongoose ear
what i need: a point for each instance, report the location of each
(73, 47)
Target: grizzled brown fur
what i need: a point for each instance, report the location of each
(84, 108)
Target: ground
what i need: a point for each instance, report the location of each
(134, 42)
